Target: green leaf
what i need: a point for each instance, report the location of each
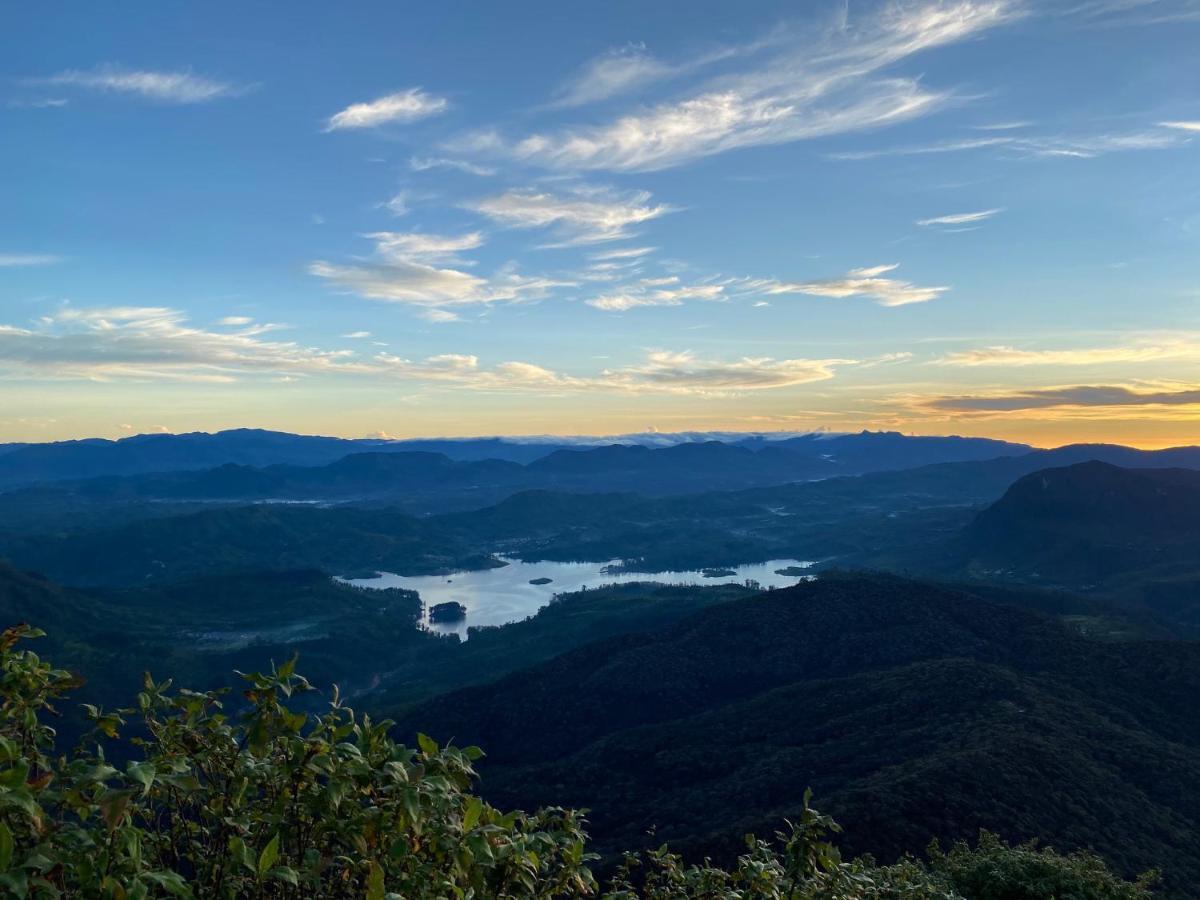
(171, 882)
(143, 773)
(16, 882)
(286, 873)
(375, 882)
(15, 776)
(473, 811)
(269, 854)
(427, 744)
(6, 847)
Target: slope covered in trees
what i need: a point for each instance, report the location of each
(275, 804)
(264, 538)
(897, 701)
(1132, 534)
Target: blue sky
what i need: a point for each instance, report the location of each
(979, 217)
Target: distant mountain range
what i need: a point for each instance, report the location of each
(150, 453)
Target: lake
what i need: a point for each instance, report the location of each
(500, 596)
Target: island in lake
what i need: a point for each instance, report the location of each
(540, 581)
(447, 612)
(792, 571)
(718, 573)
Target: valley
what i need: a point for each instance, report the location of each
(960, 645)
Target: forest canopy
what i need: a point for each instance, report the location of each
(203, 794)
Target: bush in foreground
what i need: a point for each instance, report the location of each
(274, 803)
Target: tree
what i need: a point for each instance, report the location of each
(269, 802)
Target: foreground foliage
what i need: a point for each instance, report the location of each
(274, 803)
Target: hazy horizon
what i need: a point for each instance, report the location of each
(652, 438)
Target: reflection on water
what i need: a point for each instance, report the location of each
(499, 596)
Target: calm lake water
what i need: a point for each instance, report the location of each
(499, 596)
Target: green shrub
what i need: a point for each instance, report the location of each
(275, 803)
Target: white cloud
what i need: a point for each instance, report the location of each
(819, 87)
(951, 146)
(357, 335)
(412, 268)
(684, 373)
(612, 73)
(402, 106)
(400, 246)
(150, 343)
(424, 164)
(585, 217)
(14, 260)
(39, 103)
(1182, 126)
(1118, 13)
(398, 205)
(235, 320)
(1084, 146)
(165, 87)
(1090, 146)
(437, 314)
(624, 253)
(660, 372)
(656, 292)
(961, 218)
(1143, 351)
(157, 344)
(868, 282)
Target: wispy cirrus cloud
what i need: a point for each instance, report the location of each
(414, 269)
(968, 218)
(426, 163)
(952, 145)
(164, 87)
(660, 372)
(407, 246)
(1081, 146)
(1177, 125)
(39, 103)
(820, 85)
(584, 216)
(158, 343)
(1134, 12)
(624, 253)
(868, 282)
(616, 72)
(1143, 351)
(665, 291)
(148, 343)
(18, 260)
(402, 106)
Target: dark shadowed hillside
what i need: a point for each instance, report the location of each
(270, 537)
(1133, 533)
(896, 700)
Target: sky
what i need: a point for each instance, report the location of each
(973, 216)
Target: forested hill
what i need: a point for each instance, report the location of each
(1091, 517)
(1131, 534)
(914, 711)
(246, 538)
